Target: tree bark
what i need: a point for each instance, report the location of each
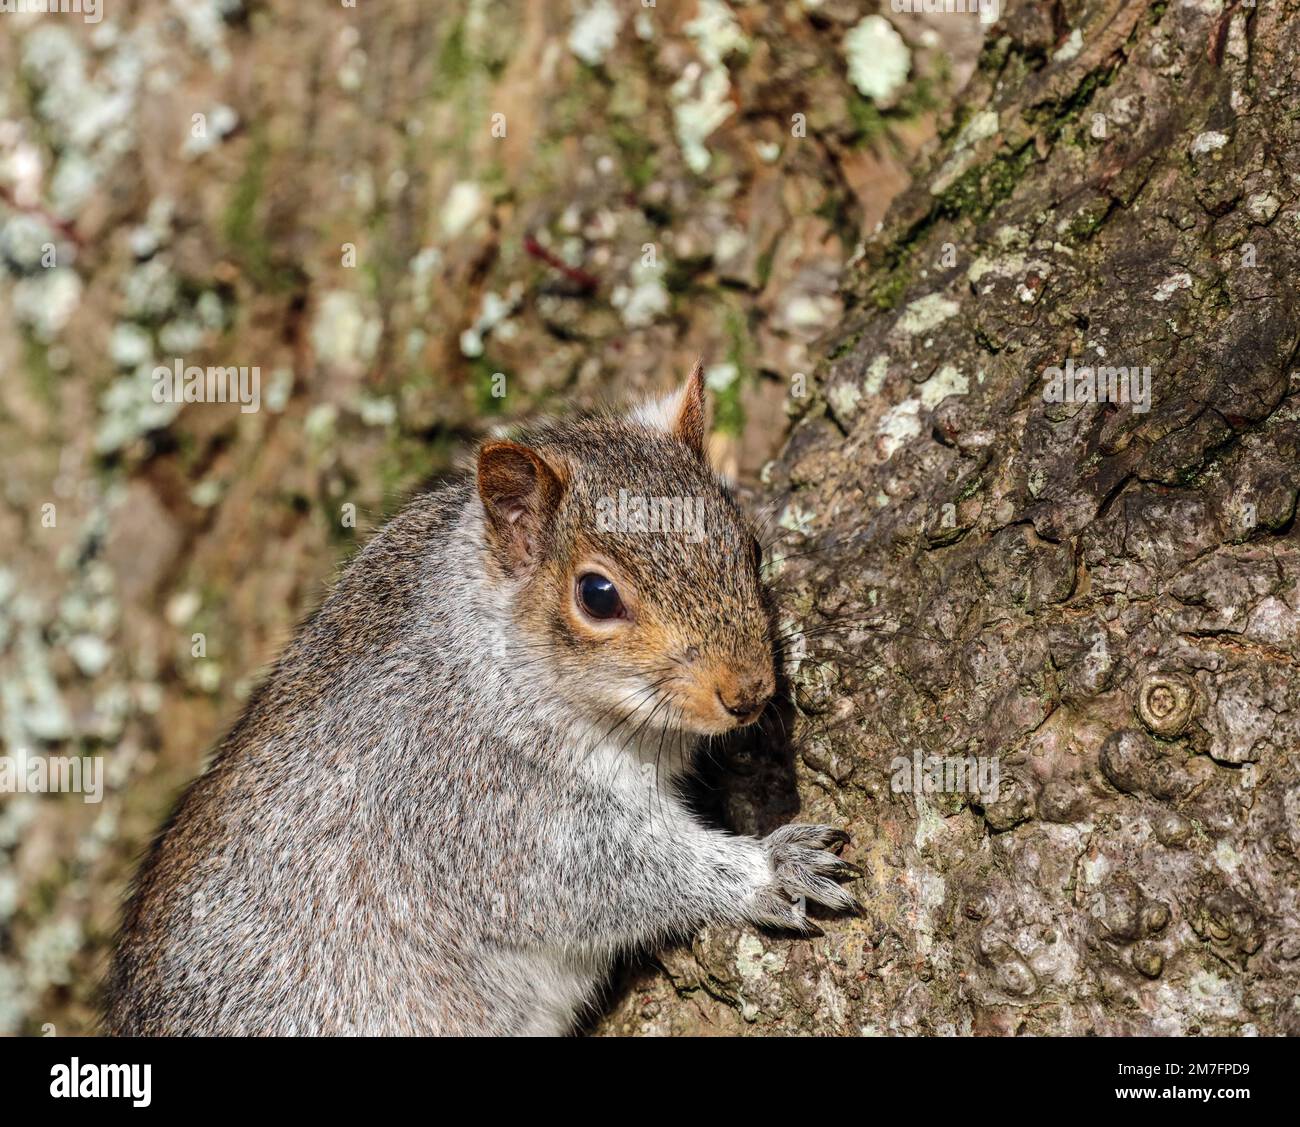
(1102, 600)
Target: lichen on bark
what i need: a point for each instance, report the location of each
(1104, 599)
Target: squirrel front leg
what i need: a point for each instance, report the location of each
(644, 879)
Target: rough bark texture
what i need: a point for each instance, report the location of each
(1106, 600)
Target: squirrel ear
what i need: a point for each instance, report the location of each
(683, 414)
(520, 491)
(691, 424)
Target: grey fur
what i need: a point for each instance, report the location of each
(422, 825)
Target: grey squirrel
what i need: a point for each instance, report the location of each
(454, 802)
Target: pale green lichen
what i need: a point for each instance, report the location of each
(1227, 858)
(644, 301)
(702, 95)
(876, 373)
(465, 202)
(925, 313)
(931, 889)
(795, 518)
(1208, 142)
(341, 332)
(980, 127)
(492, 314)
(1070, 48)
(46, 302)
(878, 59)
(897, 425)
(1171, 285)
(594, 32)
(128, 411)
(1006, 267)
(320, 423)
(377, 410)
(129, 346)
(930, 825)
(844, 399)
(753, 960)
(945, 382)
(1262, 206)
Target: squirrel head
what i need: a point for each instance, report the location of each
(634, 573)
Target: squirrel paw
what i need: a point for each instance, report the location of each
(803, 870)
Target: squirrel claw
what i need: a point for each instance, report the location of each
(846, 871)
(805, 871)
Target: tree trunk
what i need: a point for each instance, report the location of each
(1098, 600)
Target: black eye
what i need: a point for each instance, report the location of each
(756, 554)
(598, 596)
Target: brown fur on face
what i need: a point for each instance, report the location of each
(694, 651)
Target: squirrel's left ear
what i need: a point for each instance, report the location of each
(683, 414)
(520, 492)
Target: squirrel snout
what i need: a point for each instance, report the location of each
(744, 697)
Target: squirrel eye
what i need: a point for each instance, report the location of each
(598, 596)
(756, 554)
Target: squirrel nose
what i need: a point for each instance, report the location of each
(745, 697)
